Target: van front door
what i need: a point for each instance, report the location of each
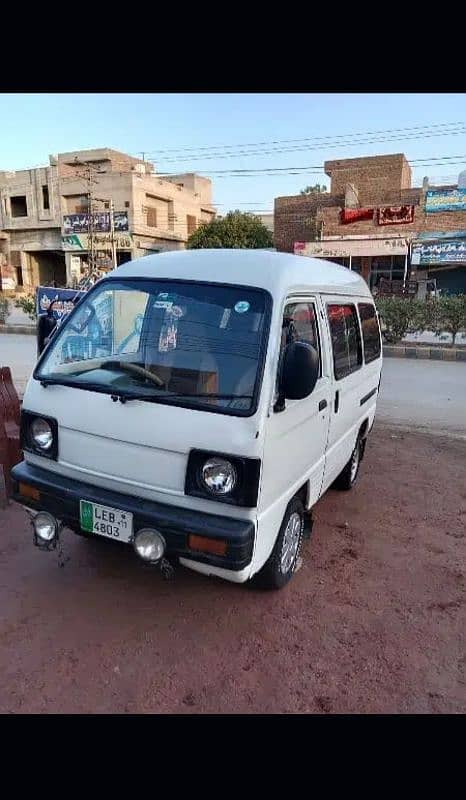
(295, 441)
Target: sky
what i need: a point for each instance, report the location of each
(214, 133)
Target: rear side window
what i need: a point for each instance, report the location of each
(370, 331)
(346, 339)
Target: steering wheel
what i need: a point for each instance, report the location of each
(136, 369)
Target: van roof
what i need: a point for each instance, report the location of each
(279, 273)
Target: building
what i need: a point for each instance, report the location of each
(44, 215)
(373, 221)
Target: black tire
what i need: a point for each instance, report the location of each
(347, 477)
(271, 575)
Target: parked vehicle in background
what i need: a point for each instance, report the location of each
(197, 404)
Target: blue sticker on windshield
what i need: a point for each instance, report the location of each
(242, 306)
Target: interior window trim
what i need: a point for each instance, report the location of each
(374, 358)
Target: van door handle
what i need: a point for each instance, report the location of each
(337, 401)
(322, 405)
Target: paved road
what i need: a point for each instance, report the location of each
(424, 395)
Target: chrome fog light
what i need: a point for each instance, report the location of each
(149, 545)
(45, 527)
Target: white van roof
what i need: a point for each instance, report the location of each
(279, 273)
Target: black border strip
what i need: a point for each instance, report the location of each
(367, 397)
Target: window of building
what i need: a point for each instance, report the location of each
(151, 217)
(299, 325)
(390, 267)
(191, 223)
(77, 203)
(346, 339)
(45, 197)
(19, 206)
(370, 331)
(126, 203)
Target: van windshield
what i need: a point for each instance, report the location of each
(163, 341)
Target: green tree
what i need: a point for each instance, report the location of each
(400, 316)
(316, 189)
(236, 230)
(447, 313)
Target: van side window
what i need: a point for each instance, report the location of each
(370, 331)
(346, 339)
(300, 325)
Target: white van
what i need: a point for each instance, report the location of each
(197, 404)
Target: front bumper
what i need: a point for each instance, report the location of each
(61, 496)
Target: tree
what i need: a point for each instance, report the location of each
(447, 313)
(316, 189)
(28, 305)
(236, 230)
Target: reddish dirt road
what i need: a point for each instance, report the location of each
(373, 622)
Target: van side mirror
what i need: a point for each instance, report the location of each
(300, 370)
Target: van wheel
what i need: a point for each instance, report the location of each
(348, 476)
(281, 564)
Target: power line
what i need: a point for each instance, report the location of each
(328, 146)
(307, 139)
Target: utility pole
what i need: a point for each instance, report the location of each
(112, 235)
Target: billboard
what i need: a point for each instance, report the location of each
(79, 223)
(445, 200)
(440, 252)
(65, 300)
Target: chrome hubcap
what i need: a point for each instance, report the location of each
(290, 542)
(355, 462)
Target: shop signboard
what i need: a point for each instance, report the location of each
(79, 223)
(445, 200)
(352, 247)
(439, 252)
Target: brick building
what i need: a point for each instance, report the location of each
(44, 214)
(373, 221)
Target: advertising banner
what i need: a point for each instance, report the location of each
(352, 247)
(79, 223)
(440, 252)
(65, 300)
(445, 200)
(348, 215)
(395, 215)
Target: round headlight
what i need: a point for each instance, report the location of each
(219, 476)
(149, 545)
(42, 434)
(45, 526)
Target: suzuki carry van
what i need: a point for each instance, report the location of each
(195, 405)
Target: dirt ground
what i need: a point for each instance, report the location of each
(374, 621)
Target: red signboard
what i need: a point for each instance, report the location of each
(395, 215)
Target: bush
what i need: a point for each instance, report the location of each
(400, 316)
(4, 310)
(446, 314)
(28, 304)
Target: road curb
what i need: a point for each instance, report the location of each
(431, 353)
(27, 329)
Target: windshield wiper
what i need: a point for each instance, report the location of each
(123, 398)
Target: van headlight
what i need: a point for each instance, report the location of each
(219, 476)
(41, 434)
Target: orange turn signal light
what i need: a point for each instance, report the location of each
(205, 545)
(29, 491)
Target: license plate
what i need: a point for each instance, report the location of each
(106, 521)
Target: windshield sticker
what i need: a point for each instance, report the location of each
(242, 306)
(164, 300)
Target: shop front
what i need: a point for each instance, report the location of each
(374, 258)
(443, 260)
